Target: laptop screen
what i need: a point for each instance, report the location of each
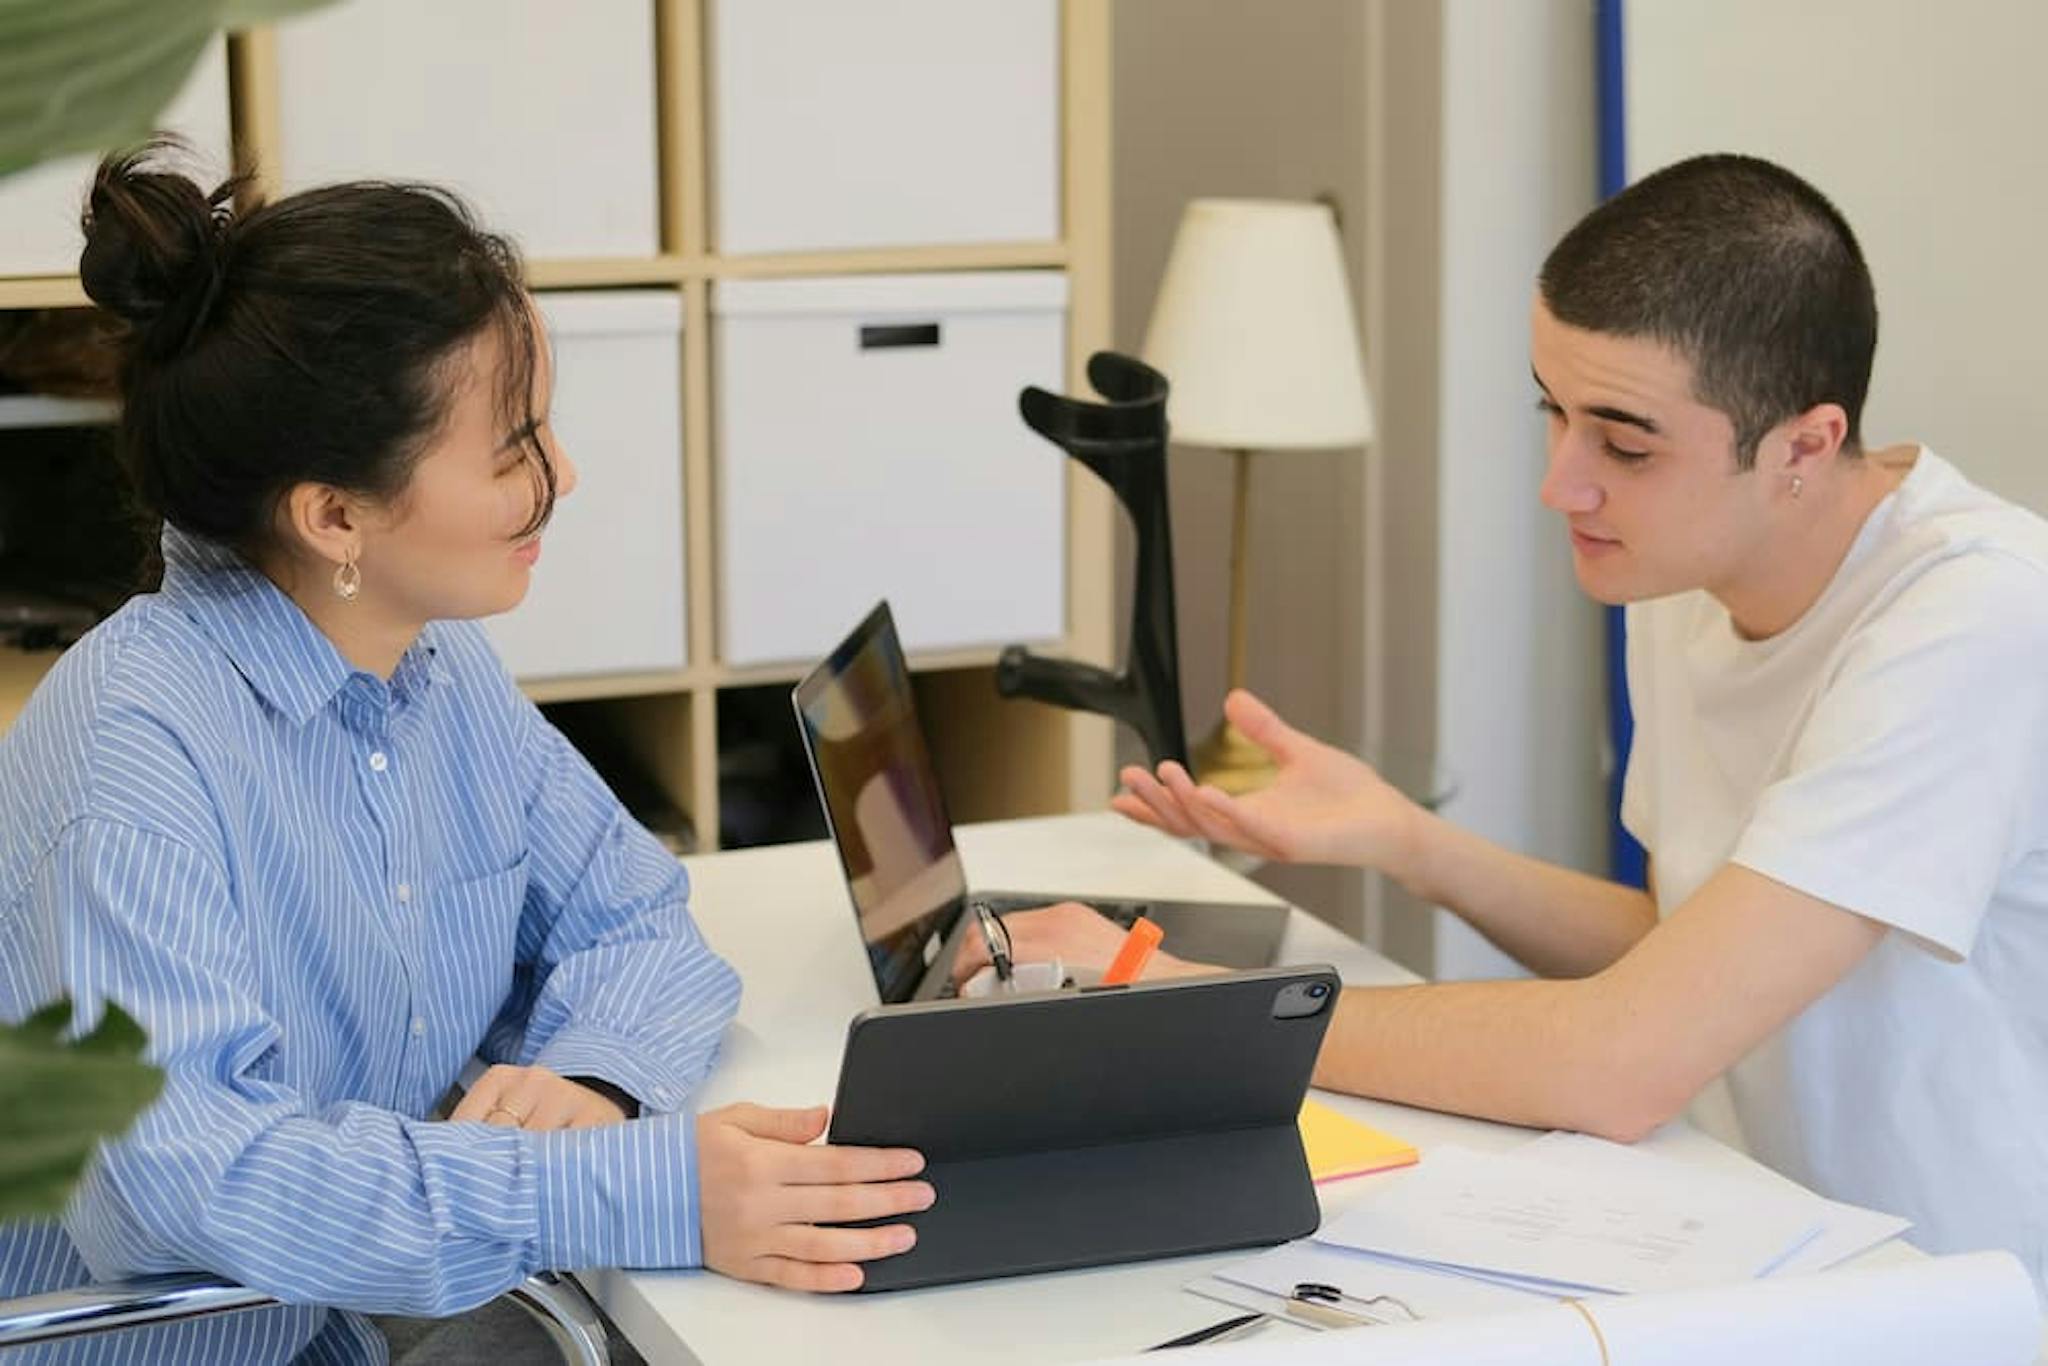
(882, 802)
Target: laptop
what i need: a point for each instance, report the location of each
(882, 803)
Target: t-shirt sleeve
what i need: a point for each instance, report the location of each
(1914, 785)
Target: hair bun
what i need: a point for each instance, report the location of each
(155, 246)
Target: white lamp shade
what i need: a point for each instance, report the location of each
(1254, 330)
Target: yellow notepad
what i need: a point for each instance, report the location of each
(1339, 1146)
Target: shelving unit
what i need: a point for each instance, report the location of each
(41, 410)
(997, 758)
(19, 674)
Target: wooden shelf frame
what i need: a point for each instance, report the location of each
(42, 291)
(20, 671)
(1067, 758)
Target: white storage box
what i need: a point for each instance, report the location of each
(541, 114)
(908, 123)
(608, 593)
(870, 446)
(39, 207)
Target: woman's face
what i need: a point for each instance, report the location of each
(454, 542)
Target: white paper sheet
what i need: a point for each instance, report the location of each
(1604, 1230)
(1847, 1230)
(1974, 1310)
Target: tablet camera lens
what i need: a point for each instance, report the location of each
(1300, 1000)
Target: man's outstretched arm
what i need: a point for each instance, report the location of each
(1616, 1053)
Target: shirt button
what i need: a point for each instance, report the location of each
(419, 1027)
(404, 892)
(378, 763)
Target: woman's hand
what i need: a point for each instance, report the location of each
(535, 1098)
(765, 1189)
(1325, 806)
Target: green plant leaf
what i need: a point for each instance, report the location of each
(47, 1025)
(116, 1036)
(58, 1100)
(89, 75)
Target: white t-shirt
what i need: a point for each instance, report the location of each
(1888, 754)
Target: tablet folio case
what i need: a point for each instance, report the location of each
(1075, 1129)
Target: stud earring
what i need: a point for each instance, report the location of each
(348, 580)
(1798, 486)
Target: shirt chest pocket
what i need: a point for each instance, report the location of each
(469, 927)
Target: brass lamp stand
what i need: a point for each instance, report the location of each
(1227, 757)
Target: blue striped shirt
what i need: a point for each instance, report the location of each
(322, 893)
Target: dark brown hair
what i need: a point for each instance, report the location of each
(306, 340)
(1745, 270)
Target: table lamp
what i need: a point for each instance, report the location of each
(1254, 329)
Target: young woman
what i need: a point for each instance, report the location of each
(290, 812)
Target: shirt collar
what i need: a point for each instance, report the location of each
(289, 661)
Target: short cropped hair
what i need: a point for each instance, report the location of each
(1745, 270)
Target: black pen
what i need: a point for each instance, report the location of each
(1209, 1334)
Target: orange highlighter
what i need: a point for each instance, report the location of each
(1136, 951)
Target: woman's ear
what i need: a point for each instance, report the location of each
(323, 521)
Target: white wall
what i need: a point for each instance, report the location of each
(1517, 694)
(1924, 123)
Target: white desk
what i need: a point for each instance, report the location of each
(782, 918)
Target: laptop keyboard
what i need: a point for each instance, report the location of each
(1124, 913)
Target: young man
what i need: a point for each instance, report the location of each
(1837, 661)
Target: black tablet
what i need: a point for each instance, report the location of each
(1079, 1128)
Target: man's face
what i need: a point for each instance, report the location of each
(1643, 473)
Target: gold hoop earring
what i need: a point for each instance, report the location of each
(348, 581)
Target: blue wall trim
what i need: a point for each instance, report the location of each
(1626, 859)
